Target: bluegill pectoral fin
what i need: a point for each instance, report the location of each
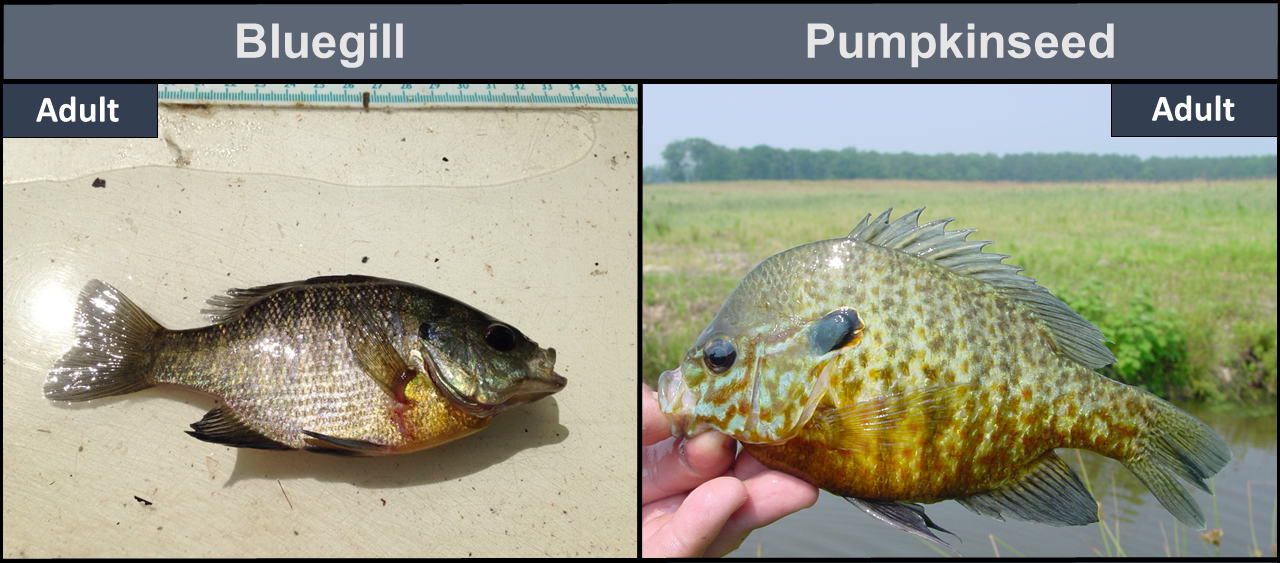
(1047, 492)
(904, 516)
(897, 420)
(371, 344)
(222, 426)
(321, 443)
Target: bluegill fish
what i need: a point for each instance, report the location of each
(902, 365)
(349, 365)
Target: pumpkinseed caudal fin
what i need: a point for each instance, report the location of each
(897, 420)
(904, 516)
(1180, 443)
(113, 353)
(1046, 492)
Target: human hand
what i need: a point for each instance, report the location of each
(727, 500)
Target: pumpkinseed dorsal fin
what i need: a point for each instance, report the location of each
(1074, 336)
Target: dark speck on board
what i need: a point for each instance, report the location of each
(99, 183)
(364, 260)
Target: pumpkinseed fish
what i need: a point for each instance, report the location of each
(903, 365)
(348, 365)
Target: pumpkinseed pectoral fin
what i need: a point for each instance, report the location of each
(897, 420)
(1046, 492)
(904, 516)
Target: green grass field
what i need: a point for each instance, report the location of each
(1204, 253)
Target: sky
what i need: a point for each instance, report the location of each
(916, 118)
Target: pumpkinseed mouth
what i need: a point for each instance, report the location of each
(676, 401)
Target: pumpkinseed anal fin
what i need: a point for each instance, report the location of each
(904, 516)
(1047, 492)
(1174, 441)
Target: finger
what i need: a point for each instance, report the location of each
(653, 425)
(772, 495)
(698, 521)
(674, 466)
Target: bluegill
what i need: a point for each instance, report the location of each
(902, 365)
(348, 365)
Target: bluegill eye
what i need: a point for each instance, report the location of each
(500, 338)
(834, 331)
(719, 355)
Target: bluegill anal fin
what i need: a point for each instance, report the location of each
(1047, 492)
(321, 443)
(223, 426)
(904, 516)
(897, 420)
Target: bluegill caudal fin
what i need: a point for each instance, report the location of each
(1073, 336)
(904, 516)
(114, 349)
(1180, 443)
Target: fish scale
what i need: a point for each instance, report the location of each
(902, 365)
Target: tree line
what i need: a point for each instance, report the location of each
(699, 160)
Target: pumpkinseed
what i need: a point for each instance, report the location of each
(902, 365)
(348, 365)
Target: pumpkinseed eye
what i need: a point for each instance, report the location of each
(835, 330)
(500, 338)
(719, 355)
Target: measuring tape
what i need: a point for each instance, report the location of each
(600, 96)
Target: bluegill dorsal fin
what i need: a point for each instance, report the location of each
(1047, 491)
(1074, 336)
(892, 421)
(238, 300)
